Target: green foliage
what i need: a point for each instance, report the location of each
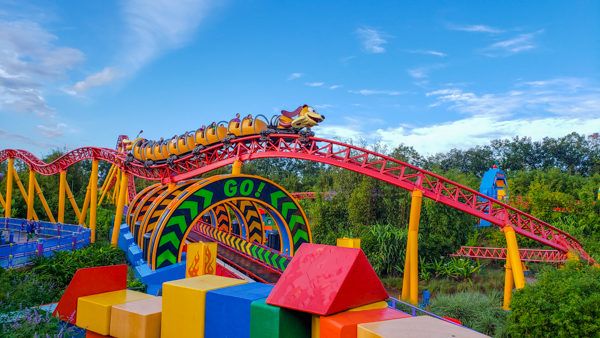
(458, 269)
(385, 245)
(45, 280)
(476, 310)
(562, 303)
(36, 323)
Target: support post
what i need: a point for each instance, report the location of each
(93, 199)
(23, 192)
(410, 282)
(61, 196)
(72, 201)
(2, 203)
(9, 186)
(115, 194)
(508, 284)
(104, 188)
(236, 168)
(120, 206)
(85, 206)
(512, 252)
(30, 192)
(43, 200)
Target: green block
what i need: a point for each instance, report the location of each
(267, 321)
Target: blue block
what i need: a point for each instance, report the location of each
(134, 254)
(228, 309)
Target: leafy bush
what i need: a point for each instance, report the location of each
(37, 323)
(562, 303)
(385, 246)
(455, 268)
(476, 310)
(45, 280)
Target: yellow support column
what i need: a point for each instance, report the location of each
(84, 207)
(120, 206)
(43, 200)
(23, 192)
(115, 195)
(9, 184)
(93, 199)
(236, 168)
(512, 252)
(30, 192)
(2, 203)
(410, 282)
(508, 285)
(103, 189)
(72, 201)
(61, 196)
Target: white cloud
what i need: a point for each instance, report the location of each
(518, 44)
(538, 109)
(103, 77)
(368, 92)
(52, 131)
(418, 73)
(10, 140)
(562, 96)
(30, 61)
(336, 86)
(429, 52)
(476, 29)
(315, 84)
(371, 39)
(294, 76)
(479, 130)
(152, 29)
(323, 106)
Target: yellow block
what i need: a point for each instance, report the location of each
(349, 242)
(184, 304)
(93, 312)
(420, 326)
(136, 319)
(373, 306)
(315, 327)
(201, 259)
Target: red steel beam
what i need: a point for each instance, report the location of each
(364, 161)
(527, 255)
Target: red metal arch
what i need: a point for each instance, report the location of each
(364, 161)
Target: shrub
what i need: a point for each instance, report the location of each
(37, 323)
(562, 303)
(476, 310)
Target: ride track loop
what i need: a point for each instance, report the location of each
(350, 157)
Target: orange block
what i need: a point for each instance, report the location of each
(139, 319)
(92, 334)
(344, 325)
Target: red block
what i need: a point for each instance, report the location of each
(223, 272)
(343, 325)
(324, 279)
(90, 281)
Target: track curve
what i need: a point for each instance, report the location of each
(361, 160)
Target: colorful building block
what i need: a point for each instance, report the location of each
(225, 304)
(201, 259)
(413, 327)
(138, 319)
(372, 306)
(343, 325)
(93, 312)
(86, 282)
(346, 242)
(315, 327)
(269, 321)
(184, 304)
(324, 279)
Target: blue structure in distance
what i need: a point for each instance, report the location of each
(493, 184)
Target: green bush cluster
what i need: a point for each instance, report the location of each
(563, 302)
(458, 269)
(476, 310)
(44, 281)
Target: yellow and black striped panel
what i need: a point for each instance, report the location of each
(252, 219)
(157, 208)
(240, 219)
(141, 204)
(222, 217)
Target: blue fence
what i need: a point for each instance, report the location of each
(52, 237)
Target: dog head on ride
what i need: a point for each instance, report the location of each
(303, 117)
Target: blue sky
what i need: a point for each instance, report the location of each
(433, 75)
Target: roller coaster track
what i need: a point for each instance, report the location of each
(363, 161)
(527, 255)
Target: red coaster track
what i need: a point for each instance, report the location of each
(364, 161)
(527, 255)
